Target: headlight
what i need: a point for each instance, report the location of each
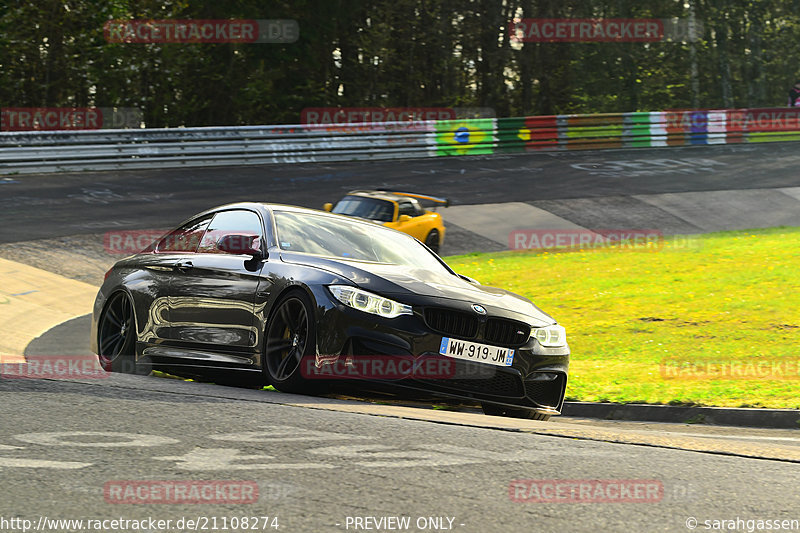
(368, 302)
(551, 336)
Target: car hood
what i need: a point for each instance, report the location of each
(400, 280)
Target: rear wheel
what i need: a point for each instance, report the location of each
(116, 337)
(520, 412)
(432, 240)
(290, 340)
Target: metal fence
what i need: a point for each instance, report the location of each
(86, 150)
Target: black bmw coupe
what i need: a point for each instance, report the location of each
(299, 297)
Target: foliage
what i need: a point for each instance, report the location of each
(392, 53)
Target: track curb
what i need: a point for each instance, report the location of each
(722, 416)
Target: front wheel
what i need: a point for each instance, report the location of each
(432, 240)
(511, 412)
(290, 341)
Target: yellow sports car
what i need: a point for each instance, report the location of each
(402, 211)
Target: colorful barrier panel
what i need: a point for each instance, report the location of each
(617, 130)
(466, 137)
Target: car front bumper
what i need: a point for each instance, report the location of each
(536, 379)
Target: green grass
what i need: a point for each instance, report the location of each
(729, 298)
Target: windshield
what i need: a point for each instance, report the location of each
(338, 237)
(369, 208)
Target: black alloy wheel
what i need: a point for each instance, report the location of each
(116, 336)
(290, 343)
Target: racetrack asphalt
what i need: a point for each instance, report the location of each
(625, 189)
(319, 462)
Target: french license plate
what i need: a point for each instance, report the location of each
(473, 351)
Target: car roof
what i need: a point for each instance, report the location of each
(257, 206)
(270, 207)
(381, 195)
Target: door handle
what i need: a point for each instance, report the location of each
(184, 265)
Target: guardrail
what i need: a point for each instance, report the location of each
(55, 151)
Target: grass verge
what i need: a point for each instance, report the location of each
(710, 320)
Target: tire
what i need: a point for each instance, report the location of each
(432, 240)
(290, 337)
(499, 410)
(116, 337)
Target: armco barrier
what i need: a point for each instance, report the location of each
(52, 151)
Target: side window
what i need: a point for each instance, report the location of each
(238, 222)
(184, 239)
(406, 208)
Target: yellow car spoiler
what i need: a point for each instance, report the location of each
(435, 199)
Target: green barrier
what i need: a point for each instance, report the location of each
(512, 135)
(588, 132)
(773, 136)
(637, 130)
(465, 137)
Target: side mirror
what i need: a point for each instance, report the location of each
(240, 244)
(328, 207)
(404, 218)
